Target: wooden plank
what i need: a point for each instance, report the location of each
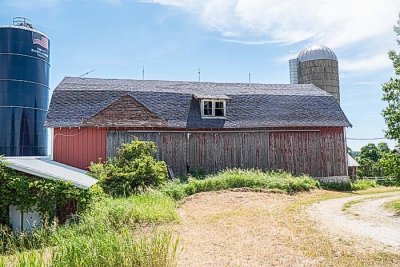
(315, 153)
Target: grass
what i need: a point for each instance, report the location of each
(106, 235)
(393, 206)
(363, 185)
(276, 181)
(123, 231)
(348, 186)
(349, 204)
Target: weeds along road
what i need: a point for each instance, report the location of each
(362, 218)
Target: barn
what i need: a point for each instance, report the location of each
(201, 126)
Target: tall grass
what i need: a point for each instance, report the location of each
(106, 235)
(11, 243)
(111, 249)
(236, 178)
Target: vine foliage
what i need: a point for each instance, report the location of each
(29, 193)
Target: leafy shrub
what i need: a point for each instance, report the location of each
(389, 181)
(134, 169)
(363, 184)
(236, 178)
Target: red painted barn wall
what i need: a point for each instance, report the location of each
(78, 147)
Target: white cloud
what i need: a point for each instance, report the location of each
(334, 23)
(366, 64)
(347, 26)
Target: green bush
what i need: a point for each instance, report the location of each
(133, 170)
(389, 181)
(363, 184)
(236, 178)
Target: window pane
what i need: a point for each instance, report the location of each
(219, 109)
(219, 104)
(219, 112)
(207, 108)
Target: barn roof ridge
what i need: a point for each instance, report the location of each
(175, 81)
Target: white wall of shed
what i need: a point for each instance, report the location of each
(51, 142)
(25, 221)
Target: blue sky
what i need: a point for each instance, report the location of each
(224, 38)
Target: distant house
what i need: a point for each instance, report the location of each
(352, 166)
(200, 125)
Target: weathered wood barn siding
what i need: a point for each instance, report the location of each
(318, 153)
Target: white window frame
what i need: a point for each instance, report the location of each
(212, 116)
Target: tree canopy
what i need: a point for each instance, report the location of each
(391, 94)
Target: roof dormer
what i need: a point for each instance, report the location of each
(212, 106)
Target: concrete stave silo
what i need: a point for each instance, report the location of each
(24, 89)
(317, 65)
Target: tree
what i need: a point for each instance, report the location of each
(368, 168)
(391, 94)
(383, 148)
(370, 160)
(370, 151)
(390, 165)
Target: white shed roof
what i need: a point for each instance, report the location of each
(46, 168)
(351, 162)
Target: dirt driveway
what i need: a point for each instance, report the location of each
(361, 216)
(236, 228)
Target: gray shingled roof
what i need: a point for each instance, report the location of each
(249, 106)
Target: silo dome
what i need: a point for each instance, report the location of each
(316, 52)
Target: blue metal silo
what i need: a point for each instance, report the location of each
(24, 89)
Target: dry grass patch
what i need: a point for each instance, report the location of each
(264, 229)
(394, 206)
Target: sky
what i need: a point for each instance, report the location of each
(225, 39)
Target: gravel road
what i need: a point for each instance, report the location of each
(365, 221)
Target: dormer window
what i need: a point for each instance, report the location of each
(213, 108)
